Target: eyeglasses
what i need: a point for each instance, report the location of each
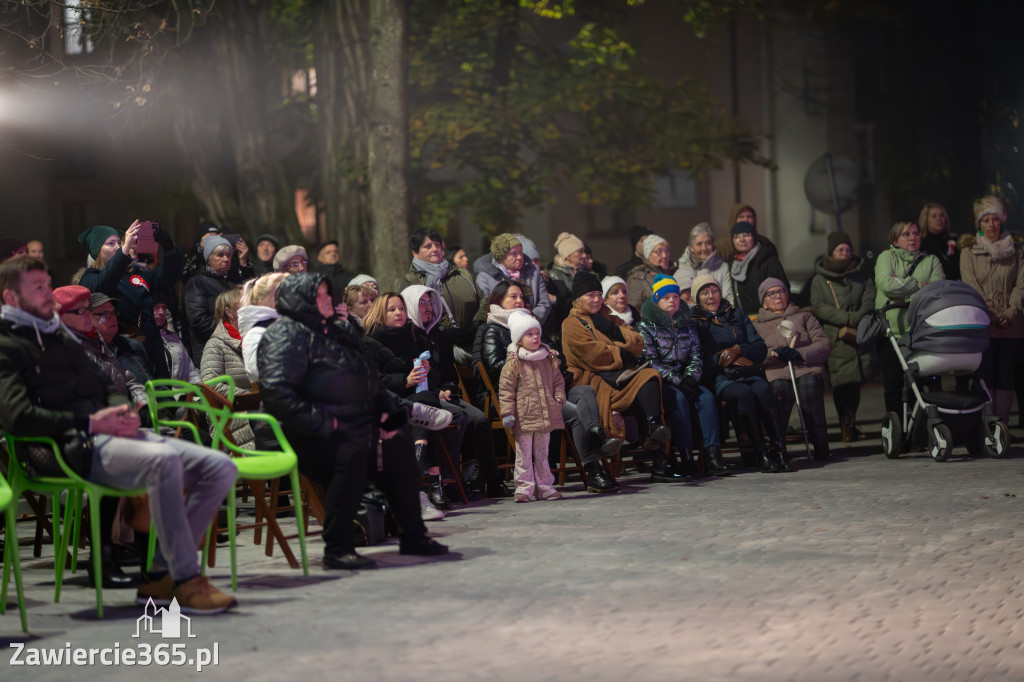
(296, 264)
(77, 311)
(775, 293)
(426, 304)
(707, 291)
(103, 317)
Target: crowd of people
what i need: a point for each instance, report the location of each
(364, 378)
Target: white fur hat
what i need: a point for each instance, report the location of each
(987, 205)
(650, 243)
(521, 322)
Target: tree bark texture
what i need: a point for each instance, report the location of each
(389, 139)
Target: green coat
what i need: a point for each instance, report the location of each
(894, 281)
(855, 291)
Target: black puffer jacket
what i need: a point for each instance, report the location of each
(200, 295)
(406, 343)
(313, 370)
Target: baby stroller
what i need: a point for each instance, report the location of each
(948, 331)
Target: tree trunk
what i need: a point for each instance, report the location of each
(389, 139)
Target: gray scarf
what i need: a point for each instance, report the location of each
(435, 272)
(739, 268)
(21, 318)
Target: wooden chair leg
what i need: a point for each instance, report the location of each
(273, 529)
(456, 472)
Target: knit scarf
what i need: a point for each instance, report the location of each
(533, 355)
(22, 318)
(232, 331)
(997, 250)
(838, 265)
(499, 315)
(741, 263)
(435, 272)
(511, 275)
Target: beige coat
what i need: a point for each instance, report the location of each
(811, 342)
(588, 351)
(533, 390)
(1000, 281)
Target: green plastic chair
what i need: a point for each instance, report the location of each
(8, 502)
(253, 465)
(20, 481)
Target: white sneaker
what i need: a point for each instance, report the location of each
(429, 417)
(429, 512)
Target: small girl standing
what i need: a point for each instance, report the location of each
(531, 393)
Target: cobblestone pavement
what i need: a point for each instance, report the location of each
(862, 569)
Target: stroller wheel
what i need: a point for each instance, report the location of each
(940, 442)
(997, 443)
(892, 435)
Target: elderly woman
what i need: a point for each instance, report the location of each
(991, 264)
(318, 383)
(603, 352)
(463, 308)
(580, 412)
(507, 262)
(900, 272)
(937, 240)
(701, 257)
(202, 290)
(657, 260)
(672, 347)
(733, 352)
(223, 356)
(754, 259)
(291, 259)
(116, 273)
(794, 338)
(616, 297)
(843, 292)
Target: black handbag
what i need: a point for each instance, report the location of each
(744, 372)
(617, 378)
(370, 524)
(76, 448)
(871, 328)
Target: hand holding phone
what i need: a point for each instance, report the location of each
(146, 243)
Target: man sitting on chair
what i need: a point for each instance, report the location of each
(48, 387)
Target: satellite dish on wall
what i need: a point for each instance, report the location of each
(831, 185)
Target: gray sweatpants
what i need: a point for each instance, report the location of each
(166, 467)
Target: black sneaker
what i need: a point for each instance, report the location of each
(422, 546)
(348, 562)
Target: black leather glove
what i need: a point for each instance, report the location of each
(163, 238)
(787, 354)
(690, 386)
(629, 360)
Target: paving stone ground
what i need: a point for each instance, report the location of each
(862, 569)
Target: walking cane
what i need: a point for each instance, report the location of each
(786, 329)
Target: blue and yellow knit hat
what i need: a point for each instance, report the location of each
(663, 284)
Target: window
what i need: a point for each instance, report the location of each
(75, 40)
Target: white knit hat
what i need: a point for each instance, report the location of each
(567, 244)
(360, 280)
(520, 322)
(608, 282)
(651, 242)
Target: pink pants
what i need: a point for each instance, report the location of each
(532, 469)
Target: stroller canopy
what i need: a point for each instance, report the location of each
(947, 317)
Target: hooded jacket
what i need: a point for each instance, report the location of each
(466, 305)
(897, 278)
(713, 265)
(313, 370)
(671, 344)
(811, 342)
(442, 354)
(253, 321)
(488, 275)
(841, 299)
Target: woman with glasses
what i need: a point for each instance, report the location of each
(796, 340)
(733, 352)
(291, 259)
(657, 260)
(202, 290)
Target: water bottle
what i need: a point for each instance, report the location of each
(416, 364)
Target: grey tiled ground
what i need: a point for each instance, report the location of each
(864, 569)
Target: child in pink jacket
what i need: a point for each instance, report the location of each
(531, 393)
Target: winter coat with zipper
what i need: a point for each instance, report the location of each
(640, 282)
(463, 298)
(313, 371)
(671, 344)
(491, 348)
(897, 279)
(589, 351)
(840, 299)
(713, 265)
(134, 287)
(1000, 281)
(726, 327)
(811, 342)
(488, 274)
(49, 387)
(200, 295)
(765, 264)
(532, 390)
(223, 355)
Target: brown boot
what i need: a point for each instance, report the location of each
(847, 429)
(197, 596)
